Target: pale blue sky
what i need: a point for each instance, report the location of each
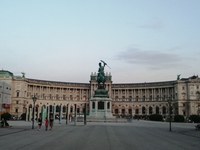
(141, 40)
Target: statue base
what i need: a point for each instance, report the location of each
(101, 93)
(101, 109)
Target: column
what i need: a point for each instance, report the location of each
(44, 112)
(27, 114)
(105, 108)
(54, 112)
(61, 112)
(91, 107)
(39, 111)
(69, 114)
(96, 107)
(48, 112)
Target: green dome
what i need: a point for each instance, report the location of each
(4, 73)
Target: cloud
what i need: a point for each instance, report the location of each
(151, 59)
(156, 24)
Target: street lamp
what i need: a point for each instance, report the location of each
(67, 117)
(60, 114)
(75, 117)
(85, 113)
(34, 98)
(170, 115)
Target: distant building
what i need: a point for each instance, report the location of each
(5, 91)
(128, 99)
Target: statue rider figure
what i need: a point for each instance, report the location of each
(101, 79)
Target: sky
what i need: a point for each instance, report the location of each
(63, 40)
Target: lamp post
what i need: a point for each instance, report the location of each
(85, 113)
(2, 101)
(67, 117)
(60, 113)
(170, 115)
(75, 117)
(34, 98)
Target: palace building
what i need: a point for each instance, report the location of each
(128, 99)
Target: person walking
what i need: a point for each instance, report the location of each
(51, 122)
(46, 123)
(39, 123)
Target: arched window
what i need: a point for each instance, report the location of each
(130, 111)
(78, 110)
(64, 108)
(163, 110)
(71, 109)
(123, 111)
(108, 105)
(137, 98)
(136, 111)
(57, 108)
(51, 108)
(157, 110)
(150, 98)
(150, 110)
(143, 99)
(143, 110)
(93, 105)
(116, 111)
(116, 98)
(17, 93)
(130, 98)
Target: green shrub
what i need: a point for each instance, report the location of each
(136, 117)
(156, 117)
(6, 116)
(179, 118)
(23, 116)
(194, 118)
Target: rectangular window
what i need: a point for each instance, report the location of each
(17, 94)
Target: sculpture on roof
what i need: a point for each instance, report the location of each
(178, 76)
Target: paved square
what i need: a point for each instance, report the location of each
(137, 135)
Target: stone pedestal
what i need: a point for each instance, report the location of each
(100, 108)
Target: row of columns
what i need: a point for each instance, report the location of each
(106, 104)
(39, 91)
(161, 111)
(146, 93)
(46, 111)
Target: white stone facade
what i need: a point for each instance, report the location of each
(5, 93)
(128, 99)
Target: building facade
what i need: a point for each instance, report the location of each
(128, 99)
(5, 92)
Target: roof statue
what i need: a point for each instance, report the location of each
(178, 76)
